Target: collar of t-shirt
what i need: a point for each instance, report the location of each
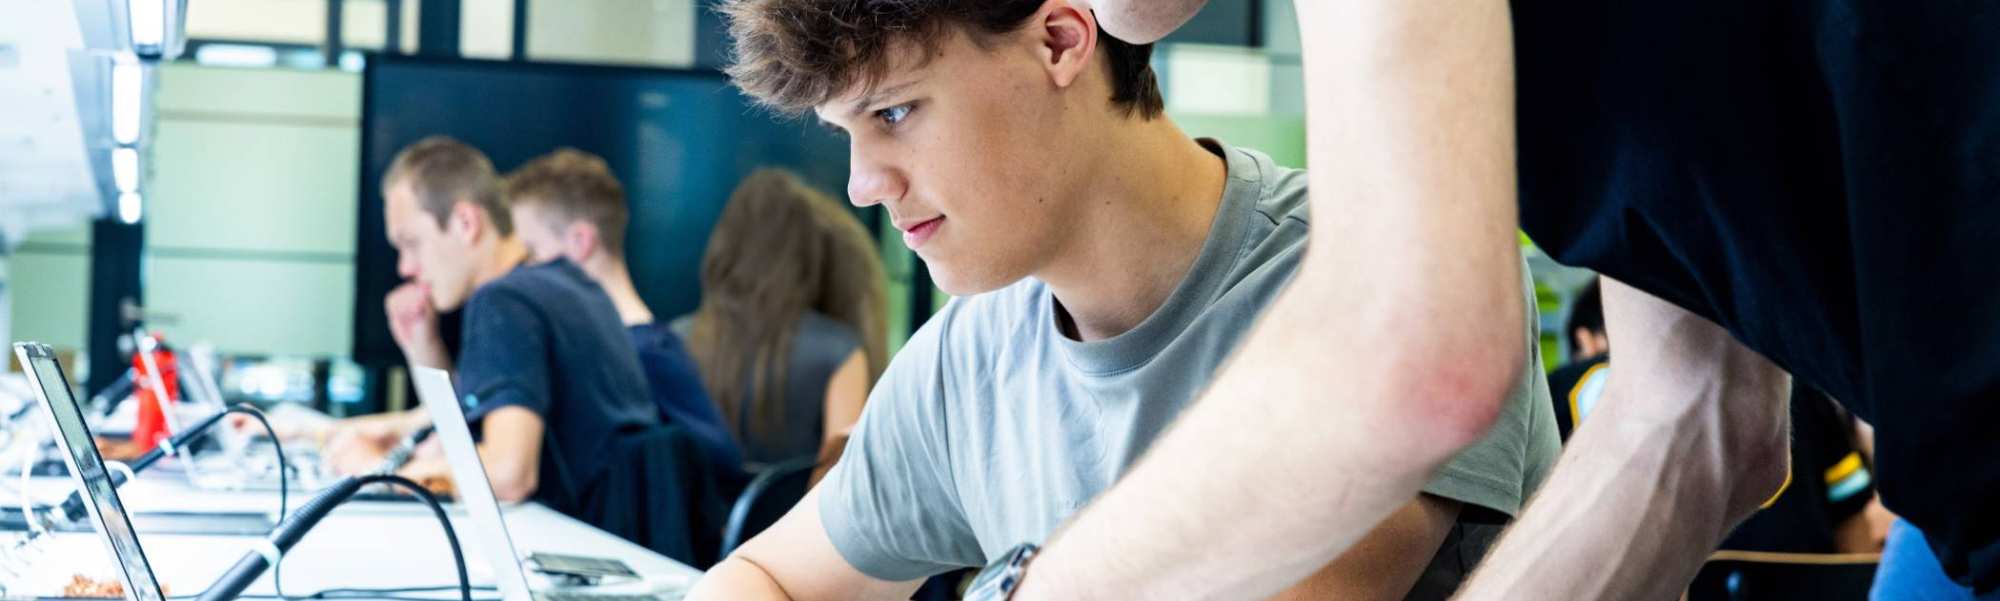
(1197, 289)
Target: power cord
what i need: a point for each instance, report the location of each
(231, 584)
(437, 509)
(284, 483)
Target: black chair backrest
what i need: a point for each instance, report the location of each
(659, 492)
(770, 494)
(1750, 576)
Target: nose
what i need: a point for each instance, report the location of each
(406, 265)
(870, 182)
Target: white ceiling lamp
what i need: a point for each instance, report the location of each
(128, 99)
(147, 22)
(125, 168)
(156, 29)
(129, 208)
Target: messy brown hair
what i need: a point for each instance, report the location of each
(573, 186)
(792, 55)
(443, 171)
(780, 249)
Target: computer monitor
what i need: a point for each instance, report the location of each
(87, 468)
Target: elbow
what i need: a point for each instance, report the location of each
(513, 484)
(1458, 384)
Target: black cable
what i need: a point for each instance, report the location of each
(284, 483)
(180, 443)
(451, 536)
(231, 584)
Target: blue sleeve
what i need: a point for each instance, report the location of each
(677, 389)
(504, 360)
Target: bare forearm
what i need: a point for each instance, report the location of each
(1345, 397)
(1690, 436)
(737, 579)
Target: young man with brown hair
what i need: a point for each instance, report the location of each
(542, 362)
(1106, 263)
(568, 205)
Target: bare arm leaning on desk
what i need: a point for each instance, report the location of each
(1304, 443)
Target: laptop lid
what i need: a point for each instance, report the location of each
(86, 467)
(475, 492)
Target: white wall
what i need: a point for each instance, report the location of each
(629, 32)
(250, 221)
(48, 280)
(639, 32)
(362, 24)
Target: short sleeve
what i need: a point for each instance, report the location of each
(890, 506)
(1501, 470)
(504, 360)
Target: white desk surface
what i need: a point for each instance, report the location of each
(360, 545)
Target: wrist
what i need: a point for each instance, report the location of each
(1002, 579)
(426, 354)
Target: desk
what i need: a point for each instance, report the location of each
(360, 545)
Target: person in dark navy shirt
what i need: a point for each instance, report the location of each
(543, 364)
(568, 204)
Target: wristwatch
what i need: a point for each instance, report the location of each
(999, 579)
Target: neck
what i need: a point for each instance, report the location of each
(616, 279)
(1139, 227)
(501, 256)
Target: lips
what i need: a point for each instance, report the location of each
(916, 234)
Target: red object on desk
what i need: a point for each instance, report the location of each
(152, 425)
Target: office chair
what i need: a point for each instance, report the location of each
(771, 493)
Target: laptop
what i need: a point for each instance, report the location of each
(86, 467)
(475, 492)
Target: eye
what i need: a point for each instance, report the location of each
(893, 115)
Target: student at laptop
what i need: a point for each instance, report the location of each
(568, 205)
(1106, 264)
(544, 362)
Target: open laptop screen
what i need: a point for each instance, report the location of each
(87, 468)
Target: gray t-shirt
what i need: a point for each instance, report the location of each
(990, 427)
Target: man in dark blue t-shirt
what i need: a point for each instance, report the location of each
(567, 205)
(543, 363)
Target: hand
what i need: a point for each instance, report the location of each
(433, 473)
(359, 446)
(413, 323)
(1141, 21)
(428, 450)
(286, 431)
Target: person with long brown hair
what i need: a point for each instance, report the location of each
(789, 336)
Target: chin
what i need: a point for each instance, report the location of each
(959, 282)
(445, 303)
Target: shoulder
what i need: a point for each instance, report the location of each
(531, 284)
(654, 338)
(823, 330)
(1281, 191)
(966, 336)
